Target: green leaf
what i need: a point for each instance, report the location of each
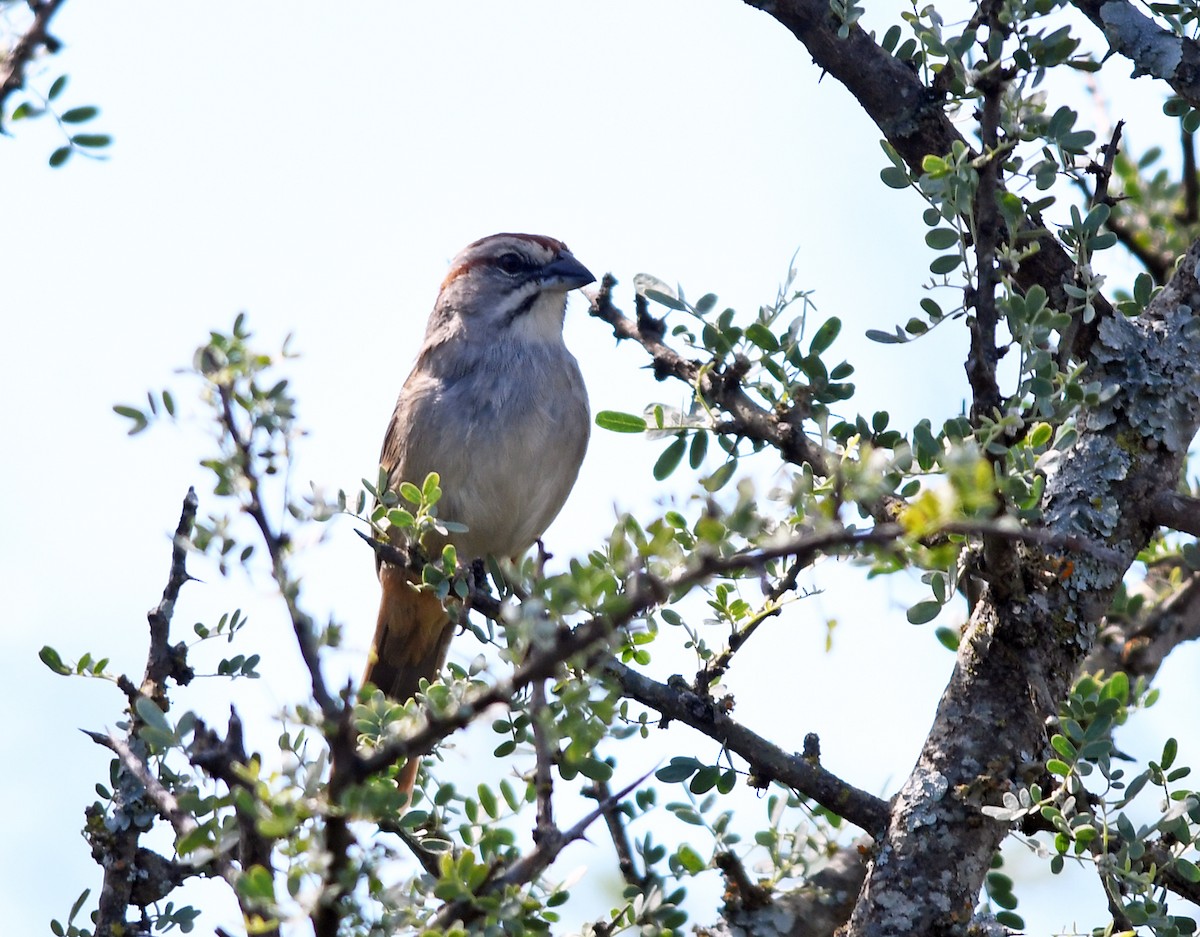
(718, 479)
(680, 769)
(705, 780)
(1170, 750)
(923, 612)
(826, 335)
(947, 637)
(761, 336)
(595, 769)
(886, 338)
(944, 264)
(60, 83)
(487, 800)
(92, 140)
(941, 238)
(50, 658)
(140, 420)
(1055, 766)
(698, 449)
(152, 715)
(665, 299)
(430, 489)
(670, 458)
(1062, 745)
(1040, 435)
(617, 422)
(690, 859)
(1187, 870)
(77, 115)
(256, 883)
(59, 156)
(894, 177)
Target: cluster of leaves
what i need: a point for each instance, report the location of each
(1086, 806)
(76, 140)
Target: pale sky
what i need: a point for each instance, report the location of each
(316, 166)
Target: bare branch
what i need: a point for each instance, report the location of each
(543, 761)
(164, 661)
(1178, 512)
(1152, 49)
(614, 819)
(14, 64)
(1139, 647)
(768, 762)
(163, 800)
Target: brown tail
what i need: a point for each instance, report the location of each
(411, 640)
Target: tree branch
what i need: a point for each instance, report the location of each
(1178, 512)
(1022, 651)
(913, 120)
(767, 761)
(164, 661)
(276, 543)
(14, 64)
(614, 819)
(1152, 49)
(527, 868)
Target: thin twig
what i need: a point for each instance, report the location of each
(1104, 171)
(1191, 186)
(163, 661)
(302, 624)
(716, 668)
(165, 802)
(614, 819)
(528, 867)
(544, 751)
(430, 861)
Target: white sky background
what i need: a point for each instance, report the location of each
(318, 171)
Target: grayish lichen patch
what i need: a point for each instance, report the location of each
(1155, 51)
(1150, 380)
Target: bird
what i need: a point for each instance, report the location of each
(496, 405)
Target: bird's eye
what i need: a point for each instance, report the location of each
(511, 263)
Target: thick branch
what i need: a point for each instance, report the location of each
(768, 762)
(1022, 651)
(912, 118)
(1152, 49)
(1140, 647)
(1179, 512)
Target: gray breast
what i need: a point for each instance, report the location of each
(506, 431)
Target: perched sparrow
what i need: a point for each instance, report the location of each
(496, 405)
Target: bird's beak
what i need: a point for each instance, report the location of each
(566, 272)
